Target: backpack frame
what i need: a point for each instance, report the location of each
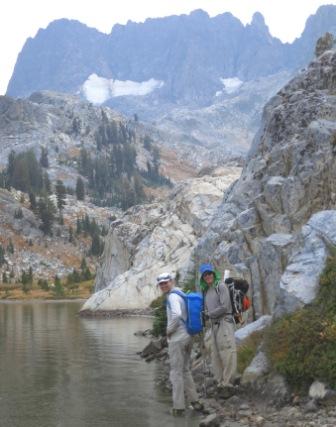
(240, 302)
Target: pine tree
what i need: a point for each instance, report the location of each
(76, 276)
(43, 284)
(44, 161)
(4, 277)
(10, 247)
(24, 172)
(85, 271)
(80, 190)
(46, 213)
(85, 163)
(2, 255)
(18, 213)
(78, 226)
(71, 236)
(97, 245)
(30, 276)
(24, 277)
(10, 165)
(25, 280)
(86, 223)
(147, 142)
(20, 178)
(60, 195)
(4, 180)
(32, 201)
(83, 264)
(46, 183)
(76, 125)
(59, 290)
(87, 274)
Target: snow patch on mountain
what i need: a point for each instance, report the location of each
(98, 89)
(231, 84)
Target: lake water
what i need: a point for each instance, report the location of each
(60, 370)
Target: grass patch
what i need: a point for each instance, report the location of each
(248, 349)
(302, 346)
(15, 291)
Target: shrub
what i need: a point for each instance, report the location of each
(160, 316)
(302, 345)
(43, 284)
(248, 349)
(58, 287)
(189, 286)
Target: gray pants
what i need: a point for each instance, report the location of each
(180, 375)
(223, 352)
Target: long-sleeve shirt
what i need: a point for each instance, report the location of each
(218, 302)
(176, 314)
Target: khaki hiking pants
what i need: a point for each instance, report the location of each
(223, 352)
(180, 374)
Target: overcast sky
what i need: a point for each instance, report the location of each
(21, 19)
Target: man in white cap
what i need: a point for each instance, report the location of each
(179, 348)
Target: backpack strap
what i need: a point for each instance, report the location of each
(178, 292)
(223, 284)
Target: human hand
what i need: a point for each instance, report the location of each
(205, 316)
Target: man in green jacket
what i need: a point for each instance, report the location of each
(218, 310)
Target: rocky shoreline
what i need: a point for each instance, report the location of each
(40, 300)
(148, 312)
(269, 403)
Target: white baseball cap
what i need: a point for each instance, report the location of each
(163, 277)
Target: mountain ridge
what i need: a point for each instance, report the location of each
(189, 57)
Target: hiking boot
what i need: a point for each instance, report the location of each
(200, 407)
(237, 380)
(225, 391)
(197, 406)
(178, 412)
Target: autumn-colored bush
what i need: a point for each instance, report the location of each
(302, 345)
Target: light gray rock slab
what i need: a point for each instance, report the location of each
(257, 368)
(258, 325)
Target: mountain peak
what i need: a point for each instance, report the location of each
(258, 20)
(199, 13)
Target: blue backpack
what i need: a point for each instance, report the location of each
(194, 308)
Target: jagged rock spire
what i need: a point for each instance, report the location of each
(324, 43)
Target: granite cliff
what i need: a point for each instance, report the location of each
(150, 239)
(277, 221)
(274, 223)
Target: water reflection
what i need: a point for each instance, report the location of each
(59, 370)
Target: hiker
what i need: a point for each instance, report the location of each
(218, 309)
(179, 348)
